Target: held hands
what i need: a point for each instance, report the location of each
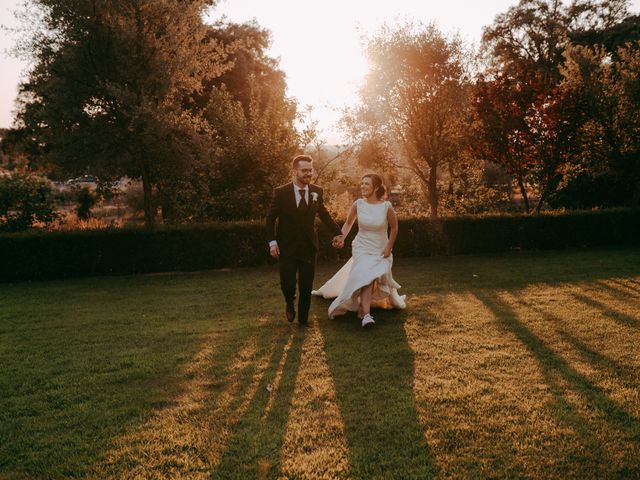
(274, 251)
(338, 241)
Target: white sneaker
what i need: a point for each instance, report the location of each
(367, 320)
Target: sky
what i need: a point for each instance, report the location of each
(319, 44)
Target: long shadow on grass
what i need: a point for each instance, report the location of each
(619, 317)
(636, 283)
(599, 360)
(168, 439)
(561, 377)
(621, 290)
(373, 376)
(77, 386)
(254, 448)
(516, 270)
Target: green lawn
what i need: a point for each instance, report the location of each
(503, 366)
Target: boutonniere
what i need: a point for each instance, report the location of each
(314, 196)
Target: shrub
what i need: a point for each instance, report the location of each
(86, 200)
(42, 255)
(24, 201)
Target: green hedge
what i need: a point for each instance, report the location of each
(47, 255)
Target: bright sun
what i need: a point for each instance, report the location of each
(319, 50)
(320, 44)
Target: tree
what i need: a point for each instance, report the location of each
(526, 45)
(16, 151)
(109, 86)
(501, 130)
(612, 37)
(416, 95)
(528, 40)
(252, 134)
(255, 147)
(604, 166)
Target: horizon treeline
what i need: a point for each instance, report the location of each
(547, 108)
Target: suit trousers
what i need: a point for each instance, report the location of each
(304, 270)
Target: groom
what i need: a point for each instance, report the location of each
(295, 241)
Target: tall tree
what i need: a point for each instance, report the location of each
(604, 166)
(612, 37)
(528, 40)
(526, 46)
(252, 133)
(416, 94)
(109, 85)
(501, 132)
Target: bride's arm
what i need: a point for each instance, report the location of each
(392, 218)
(351, 218)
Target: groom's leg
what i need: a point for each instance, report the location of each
(288, 270)
(306, 271)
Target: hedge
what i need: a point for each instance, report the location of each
(47, 255)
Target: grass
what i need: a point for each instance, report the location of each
(503, 366)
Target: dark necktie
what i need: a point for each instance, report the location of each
(303, 200)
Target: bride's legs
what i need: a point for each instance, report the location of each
(365, 300)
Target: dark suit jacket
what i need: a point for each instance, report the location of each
(295, 231)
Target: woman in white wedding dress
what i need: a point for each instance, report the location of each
(366, 280)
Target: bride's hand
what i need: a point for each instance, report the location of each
(386, 252)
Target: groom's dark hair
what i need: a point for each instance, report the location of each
(301, 158)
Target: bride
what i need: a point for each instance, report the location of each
(366, 280)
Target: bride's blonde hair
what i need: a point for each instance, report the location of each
(378, 187)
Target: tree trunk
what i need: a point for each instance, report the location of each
(433, 191)
(539, 206)
(551, 184)
(523, 191)
(543, 195)
(147, 188)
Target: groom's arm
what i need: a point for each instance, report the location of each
(272, 215)
(326, 217)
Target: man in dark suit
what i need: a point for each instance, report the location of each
(294, 240)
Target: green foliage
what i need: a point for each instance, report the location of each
(526, 123)
(501, 132)
(603, 168)
(183, 248)
(251, 136)
(25, 200)
(257, 143)
(111, 79)
(121, 251)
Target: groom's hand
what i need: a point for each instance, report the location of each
(274, 251)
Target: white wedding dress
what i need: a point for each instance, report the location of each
(366, 265)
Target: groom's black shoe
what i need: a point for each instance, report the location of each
(290, 312)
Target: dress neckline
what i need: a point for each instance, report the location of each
(381, 203)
